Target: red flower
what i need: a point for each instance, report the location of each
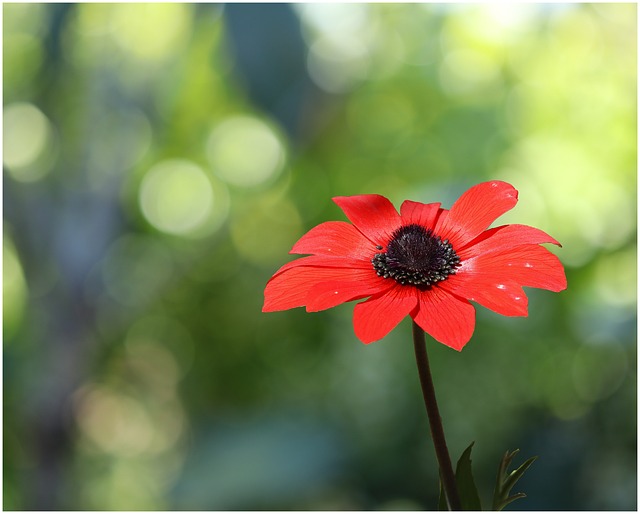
(426, 262)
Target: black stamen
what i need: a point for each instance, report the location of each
(417, 257)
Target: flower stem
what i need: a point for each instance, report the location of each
(435, 422)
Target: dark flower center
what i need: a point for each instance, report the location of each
(416, 256)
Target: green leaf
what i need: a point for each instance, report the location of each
(505, 481)
(442, 500)
(466, 485)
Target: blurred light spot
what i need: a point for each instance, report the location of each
(176, 196)
(265, 230)
(328, 18)
(411, 36)
(338, 64)
(26, 134)
(167, 334)
(512, 19)
(153, 364)
(598, 371)
(132, 486)
(115, 423)
(490, 26)
(135, 268)
(388, 54)
(156, 367)
(14, 289)
(126, 484)
(338, 35)
(245, 151)
(150, 31)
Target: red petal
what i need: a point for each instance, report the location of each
(336, 238)
(445, 317)
(424, 214)
(526, 265)
(504, 238)
(329, 294)
(475, 210)
(289, 287)
(375, 318)
(490, 291)
(497, 264)
(373, 215)
(323, 261)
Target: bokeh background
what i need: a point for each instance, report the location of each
(159, 162)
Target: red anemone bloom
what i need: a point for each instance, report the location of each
(426, 262)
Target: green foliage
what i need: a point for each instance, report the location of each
(507, 480)
(466, 484)
(467, 490)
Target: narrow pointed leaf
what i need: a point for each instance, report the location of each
(466, 485)
(514, 476)
(442, 499)
(506, 502)
(505, 480)
(501, 476)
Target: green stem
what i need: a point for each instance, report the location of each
(435, 422)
